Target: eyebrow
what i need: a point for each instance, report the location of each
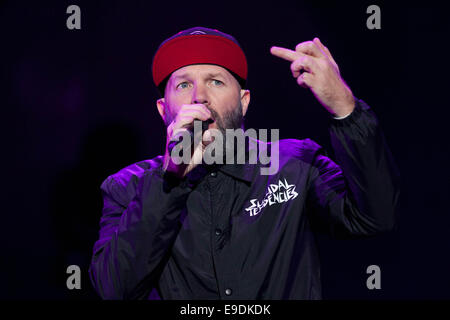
(209, 75)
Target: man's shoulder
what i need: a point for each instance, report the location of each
(296, 147)
(285, 153)
(300, 149)
(288, 147)
(132, 173)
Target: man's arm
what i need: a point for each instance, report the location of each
(363, 196)
(140, 221)
(359, 195)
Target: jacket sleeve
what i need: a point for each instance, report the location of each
(140, 221)
(358, 195)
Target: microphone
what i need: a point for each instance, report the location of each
(177, 139)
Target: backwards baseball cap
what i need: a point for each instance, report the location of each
(198, 45)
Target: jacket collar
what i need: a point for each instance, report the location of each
(240, 170)
(243, 172)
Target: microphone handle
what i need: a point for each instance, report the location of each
(205, 125)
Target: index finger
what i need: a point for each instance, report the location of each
(196, 106)
(285, 54)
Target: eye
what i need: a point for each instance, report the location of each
(217, 82)
(183, 85)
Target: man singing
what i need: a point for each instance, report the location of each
(172, 230)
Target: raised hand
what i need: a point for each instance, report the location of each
(314, 67)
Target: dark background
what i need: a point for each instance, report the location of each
(79, 105)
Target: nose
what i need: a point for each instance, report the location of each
(200, 95)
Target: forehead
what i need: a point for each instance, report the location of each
(201, 70)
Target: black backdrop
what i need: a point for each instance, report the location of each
(79, 105)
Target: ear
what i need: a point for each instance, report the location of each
(245, 100)
(161, 104)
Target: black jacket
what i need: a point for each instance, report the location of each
(229, 232)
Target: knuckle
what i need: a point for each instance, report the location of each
(294, 65)
(179, 122)
(298, 46)
(322, 64)
(178, 118)
(297, 63)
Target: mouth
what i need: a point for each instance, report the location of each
(210, 121)
(214, 115)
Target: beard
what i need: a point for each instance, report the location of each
(233, 119)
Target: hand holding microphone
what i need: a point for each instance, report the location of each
(176, 139)
(183, 125)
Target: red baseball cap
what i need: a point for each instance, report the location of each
(198, 45)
